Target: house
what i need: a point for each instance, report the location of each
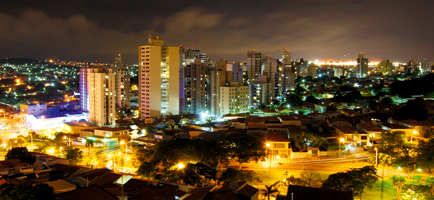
(352, 136)
(318, 116)
(372, 131)
(94, 192)
(289, 120)
(284, 111)
(279, 145)
(396, 127)
(75, 127)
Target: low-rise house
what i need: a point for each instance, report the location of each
(352, 136)
(279, 145)
(289, 120)
(74, 127)
(373, 132)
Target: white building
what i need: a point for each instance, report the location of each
(158, 79)
(101, 83)
(33, 109)
(234, 98)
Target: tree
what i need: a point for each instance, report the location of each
(147, 170)
(19, 141)
(398, 183)
(363, 178)
(425, 154)
(429, 181)
(293, 100)
(393, 143)
(88, 145)
(355, 179)
(141, 155)
(386, 101)
(300, 139)
(20, 192)
(21, 153)
(312, 99)
(270, 190)
(232, 175)
(244, 147)
(74, 155)
(42, 148)
(414, 109)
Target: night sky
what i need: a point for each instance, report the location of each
(89, 30)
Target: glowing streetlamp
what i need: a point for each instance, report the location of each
(270, 153)
(414, 133)
(342, 140)
(376, 157)
(180, 165)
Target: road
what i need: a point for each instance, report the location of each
(320, 165)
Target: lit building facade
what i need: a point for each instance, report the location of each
(84, 90)
(254, 65)
(219, 77)
(158, 79)
(362, 66)
(195, 87)
(122, 83)
(234, 98)
(102, 102)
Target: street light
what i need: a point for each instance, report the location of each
(270, 153)
(339, 150)
(180, 165)
(126, 146)
(114, 161)
(376, 157)
(414, 133)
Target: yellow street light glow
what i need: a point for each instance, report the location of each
(414, 132)
(268, 144)
(277, 157)
(180, 166)
(342, 140)
(122, 142)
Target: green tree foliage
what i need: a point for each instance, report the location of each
(301, 139)
(21, 153)
(394, 144)
(89, 144)
(244, 147)
(355, 179)
(58, 140)
(74, 155)
(293, 100)
(191, 174)
(429, 181)
(232, 175)
(172, 152)
(398, 183)
(147, 170)
(312, 99)
(42, 148)
(270, 190)
(20, 192)
(425, 154)
(414, 109)
(141, 155)
(416, 86)
(19, 141)
(386, 101)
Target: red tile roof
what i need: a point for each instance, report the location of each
(89, 193)
(277, 136)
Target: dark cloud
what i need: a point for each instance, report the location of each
(98, 30)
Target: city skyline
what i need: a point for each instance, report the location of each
(97, 30)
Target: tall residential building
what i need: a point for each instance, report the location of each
(195, 91)
(219, 78)
(425, 66)
(254, 65)
(286, 73)
(158, 79)
(312, 70)
(101, 87)
(122, 83)
(362, 66)
(260, 91)
(237, 71)
(234, 98)
(271, 70)
(84, 90)
(385, 67)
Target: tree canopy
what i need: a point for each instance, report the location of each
(425, 154)
(21, 153)
(20, 192)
